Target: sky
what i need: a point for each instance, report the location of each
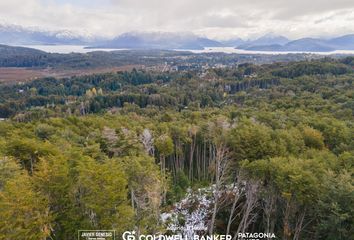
(216, 19)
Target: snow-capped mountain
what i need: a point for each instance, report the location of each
(18, 35)
(159, 40)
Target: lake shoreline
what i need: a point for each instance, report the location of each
(65, 49)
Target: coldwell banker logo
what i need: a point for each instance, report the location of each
(131, 235)
(128, 235)
(96, 235)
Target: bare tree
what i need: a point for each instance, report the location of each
(147, 140)
(111, 137)
(222, 163)
(293, 219)
(82, 108)
(220, 159)
(286, 219)
(269, 209)
(192, 132)
(299, 225)
(237, 194)
(248, 211)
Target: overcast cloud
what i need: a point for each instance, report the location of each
(219, 19)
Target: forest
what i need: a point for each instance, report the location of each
(262, 148)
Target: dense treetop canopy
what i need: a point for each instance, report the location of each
(113, 151)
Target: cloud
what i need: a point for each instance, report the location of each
(214, 18)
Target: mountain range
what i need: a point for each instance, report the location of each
(306, 45)
(268, 39)
(17, 35)
(158, 40)
(268, 42)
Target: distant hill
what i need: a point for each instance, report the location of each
(345, 42)
(308, 45)
(272, 47)
(18, 51)
(158, 40)
(233, 42)
(21, 57)
(266, 40)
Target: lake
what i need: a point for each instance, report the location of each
(82, 49)
(68, 48)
